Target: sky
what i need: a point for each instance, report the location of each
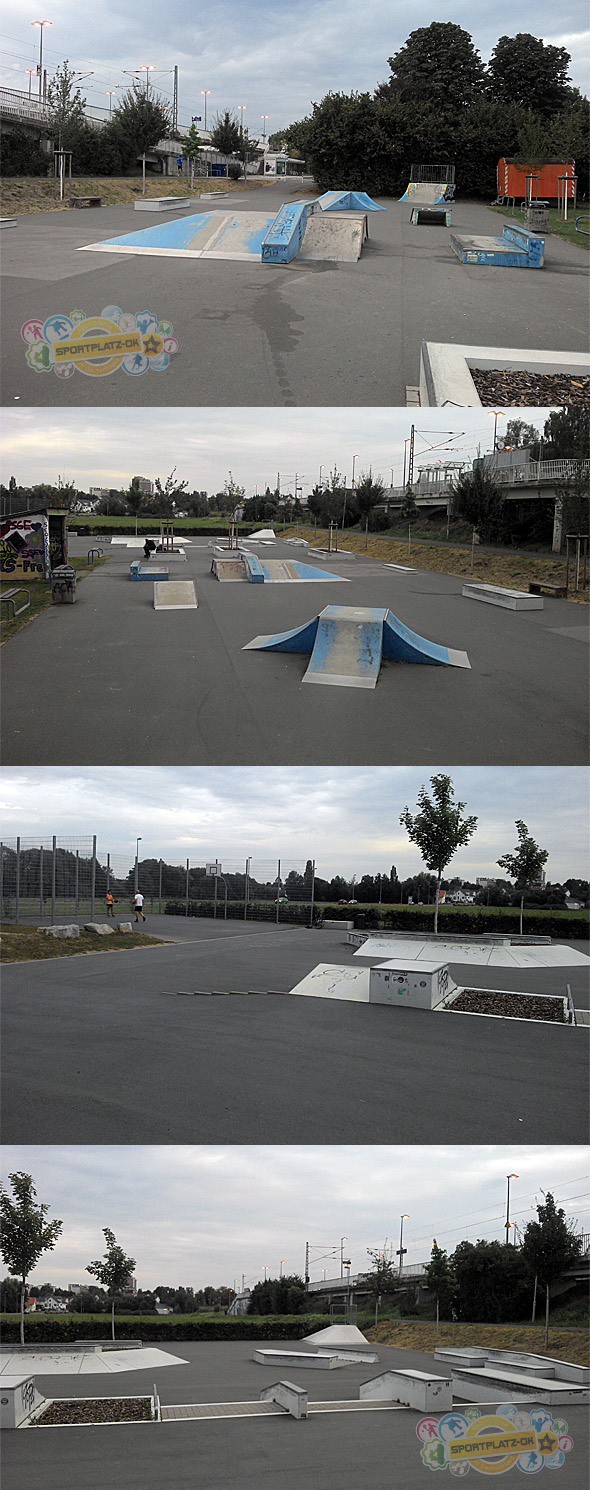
(346, 818)
(106, 447)
(196, 1216)
(275, 60)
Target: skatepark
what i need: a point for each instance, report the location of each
(201, 1039)
(113, 680)
(313, 331)
(228, 1435)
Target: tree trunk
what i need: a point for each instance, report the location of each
(436, 1335)
(546, 1316)
(22, 1312)
(521, 911)
(113, 1319)
(436, 904)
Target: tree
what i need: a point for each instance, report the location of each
(439, 64)
(369, 490)
(440, 1278)
(112, 1271)
(494, 1281)
(478, 498)
(567, 434)
(549, 1247)
(225, 135)
(192, 147)
(409, 507)
(279, 1296)
(134, 498)
(522, 69)
(66, 108)
(438, 829)
(519, 436)
(165, 499)
(24, 1233)
(138, 122)
(382, 1277)
(525, 864)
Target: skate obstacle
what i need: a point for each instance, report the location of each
(430, 185)
(346, 645)
(518, 248)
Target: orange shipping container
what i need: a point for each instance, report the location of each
(512, 178)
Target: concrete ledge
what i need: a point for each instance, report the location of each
(296, 1358)
(163, 204)
(445, 369)
(286, 1394)
(508, 599)
(7, 222)
(418, 1389)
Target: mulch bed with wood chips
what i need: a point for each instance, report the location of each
(97, 1410)
(540, 389)
(509, 1005)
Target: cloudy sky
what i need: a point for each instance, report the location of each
(192, 1216)
(106, 447)
(347, 818)
(274, 59)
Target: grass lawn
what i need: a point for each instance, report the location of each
(21, 194)
(564, 1344)
(40, 593)
(26, 944)
(557, 227)
(491, 567)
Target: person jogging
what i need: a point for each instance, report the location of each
(110, 905)
(138, 906)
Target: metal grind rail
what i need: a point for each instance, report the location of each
(183, 1412)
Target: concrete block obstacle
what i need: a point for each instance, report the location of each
(162, 204)
(551, 1368)
(518, 248)
(177, 594)
(421, 1390)
(346, 645)
(19, 1398)
(286, 1394)
(325, 1362)
(490, 1383)
(498, 595)
(138, 571)
(416, 985)
(7, 222)
(429, 212)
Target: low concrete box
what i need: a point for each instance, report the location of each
(460, 1355)
(162, 204)
(100, 928)
(125, 926)
(497, 595)
(287, 1395)
(419, 1389)
(296, 1358)
(18, 1399)
(417, 985)
(60, 931)
(339, 925)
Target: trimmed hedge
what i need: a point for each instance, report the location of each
(182, 526)
(454, 921)
(163, 1328)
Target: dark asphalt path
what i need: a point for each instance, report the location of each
(303, 334)
(110, 681)
(118, 1057)
(375, 1451)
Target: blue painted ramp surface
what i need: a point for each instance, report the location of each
(347, 648)
(301, 639)
(402, 645)
(214, 234)
(285, 232)
(344, 201)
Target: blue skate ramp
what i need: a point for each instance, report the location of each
(346, 645)
(348, 201)
(207, 235)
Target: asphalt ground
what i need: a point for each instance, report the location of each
(330, 1451)
(102, 1049)
(301, 334)
(110, 681)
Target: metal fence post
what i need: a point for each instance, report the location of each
(53, 872)
(41, 883)
(17, 891)
(186, 897)
(77, 882)
(312, 893)
(160, 891)
(278, 888)
(93, 879)
(1, 881)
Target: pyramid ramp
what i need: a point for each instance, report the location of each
(347, 648)
(348, 201)
(337, 1334)
(331, 981)
(178, 594)
(402, 645)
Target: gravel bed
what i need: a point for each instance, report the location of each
(510, 1005)
(97, 1410)
(541, 389)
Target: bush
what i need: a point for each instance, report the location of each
(234, 170)
(22, 155)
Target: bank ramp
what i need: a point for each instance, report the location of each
(346, 645)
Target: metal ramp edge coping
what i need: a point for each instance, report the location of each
(397, 644)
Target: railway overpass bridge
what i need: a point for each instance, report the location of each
(535, 481)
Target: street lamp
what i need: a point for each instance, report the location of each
(402, 1249)
(147, 69)
(40, 24)
(343, 1239)
(205, 94)
(509, 1177)
(281, 1266)
(265, 1270)
(30, 71)
(138, 841)
(111, 93)
(264, 118)
(320, 480)
(241, 107)
(496, 415)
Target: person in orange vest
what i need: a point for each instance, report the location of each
(110, 905)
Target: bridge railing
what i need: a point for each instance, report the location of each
(543, 470)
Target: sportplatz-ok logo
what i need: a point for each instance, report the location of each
(99, 345)
(493, 1444)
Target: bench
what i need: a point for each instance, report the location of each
(548, 587)
(431, 212)
(85, 201)
(518, 248)
(10, 597)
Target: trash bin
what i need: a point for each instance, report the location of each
(63, 585)
(360, 921)
(536, 216)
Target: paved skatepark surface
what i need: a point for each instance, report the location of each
(303, 334)
(375, 1450)
(111, 681)
(268, 1068)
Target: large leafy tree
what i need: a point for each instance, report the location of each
(225, 135)
(437, 63)
(439, 828)
(139, 121)
(494, 1281)
(112, 1271)
(478, 498)
(526, 863)
(549, 1247)
(279, 1296)
(24, 1232)
(523, 69)
(381, 1278)
(440, 1278)
(66, 108)
(369, 490)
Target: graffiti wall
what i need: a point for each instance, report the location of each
(24, 547)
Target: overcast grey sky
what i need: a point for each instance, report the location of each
(347, 818)
(106, 447)
(192, 1216)
(274, 59)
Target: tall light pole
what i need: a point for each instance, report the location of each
(509, 1177)
(265, 1270)
(205, 94)
(111, 94)
(264, 118)
(320, 480)
(343, 1239)
(354, 459)
(281, 1266)
(138, 841)
(496, 414)
(402, 1249)
(30, 71)
(147, 69)
(241, 107)
(40, 24)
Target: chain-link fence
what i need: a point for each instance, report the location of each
(47, 879)
(250, 889)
